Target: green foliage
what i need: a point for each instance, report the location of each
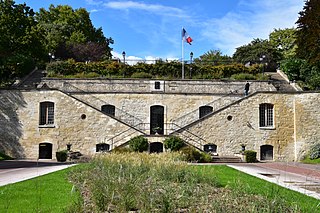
(141, 75)
(191, 154)
(243, 76)
(315, 151)
(62, 155)
(167, 70)
(308, 35)
(250, 156)
(70, 33)
(20, 40)
(255, 51)
(174, 143)
(121, 149)
(5, 157)
(284, 40)
(213, 57)
(292, 68)
(138, 144)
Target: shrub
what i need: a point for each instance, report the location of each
(138, 144)
(243, 76)
(190, 154)
(5, 157)
(62, 155)
(141, 75)
(315, 151)
(121, 149)
(250, 156)
(173, 143)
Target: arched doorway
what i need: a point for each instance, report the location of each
(266, 152)
(156, 120)
(205, 110)
(45, 151)
(210, 148)
(156, 147)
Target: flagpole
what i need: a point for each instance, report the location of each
(182, 55)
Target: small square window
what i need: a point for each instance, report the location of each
(157, 85)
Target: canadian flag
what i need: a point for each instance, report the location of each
(186, 37)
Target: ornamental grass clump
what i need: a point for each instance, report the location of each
(139, 181)
(142, 182)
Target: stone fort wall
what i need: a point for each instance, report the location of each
(296, 116)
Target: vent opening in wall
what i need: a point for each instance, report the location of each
(229, 118)
(83, 116)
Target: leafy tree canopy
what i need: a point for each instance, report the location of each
(214, 57)
(19, 41)
(284, 40)
(308, 34)
(65, 29)
(258, 51)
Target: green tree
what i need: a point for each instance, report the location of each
(20, 40)
(258, 51)
(65, 29)
(284, 40)
(308, 42)
(213, 57)
(308, 34)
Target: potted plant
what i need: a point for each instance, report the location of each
(156, 130)
(62, 156)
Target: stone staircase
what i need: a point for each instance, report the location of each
(32, 80)
(226, 159)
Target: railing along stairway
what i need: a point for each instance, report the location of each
(121, 115)
(180, 124)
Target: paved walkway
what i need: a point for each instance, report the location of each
(20, 170)
(303, 178)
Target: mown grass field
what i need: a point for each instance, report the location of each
(150, 183)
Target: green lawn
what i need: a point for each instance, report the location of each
(53, 192)
(247, 184)
(48, 193)
(309, 161)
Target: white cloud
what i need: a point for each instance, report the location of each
(252, 19)
(93, 2)
(150, 8)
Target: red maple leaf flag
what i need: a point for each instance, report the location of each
(186, 37)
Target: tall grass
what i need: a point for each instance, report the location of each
(160, 183)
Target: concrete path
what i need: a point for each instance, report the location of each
(16, 170)
(298, 177)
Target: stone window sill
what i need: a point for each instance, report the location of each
(47, 126)
(267, 128)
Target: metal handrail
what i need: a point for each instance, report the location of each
(194, 115)
(120, 114)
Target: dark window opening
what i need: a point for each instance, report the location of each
(205, 110)
(266, 152)
(46, 113)
(102, 147)
(266, 115)
(109, 109)
(156, 147)
(157, 85)
(210, 148)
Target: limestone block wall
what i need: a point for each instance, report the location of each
(22, 131)
(180, 109)
(307, 120)
(146, 86)
(296, 119)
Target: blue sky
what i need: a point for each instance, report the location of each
(149, 29)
